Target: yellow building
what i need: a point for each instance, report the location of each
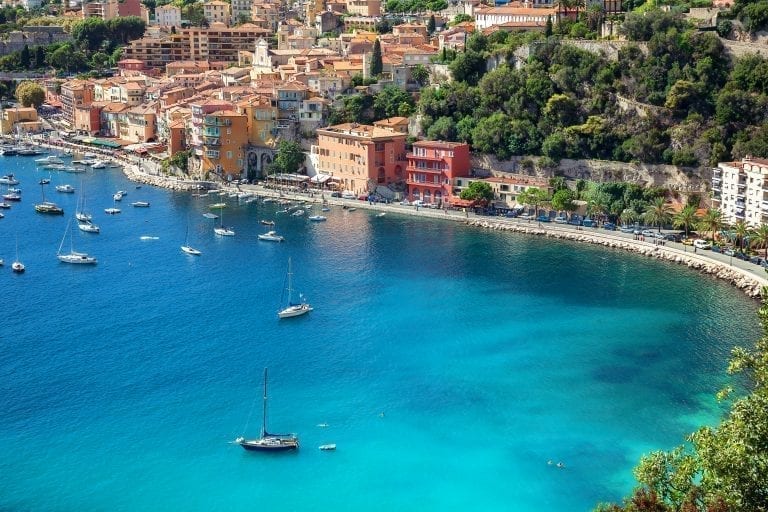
(217, 12)
(21, 119)
(225, 137)
(262, 116)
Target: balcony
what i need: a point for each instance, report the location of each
(717, 187)
(215, 121)
(433, 157)
(211, 142)
(423, 184)
(423, 170)
(739, 215)
(211, 132)
(764, 206)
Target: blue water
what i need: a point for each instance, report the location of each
(487, 353)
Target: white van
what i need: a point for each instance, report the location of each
(348, 194)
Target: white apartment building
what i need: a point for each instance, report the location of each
(740, 191)
(522, 17)
(168, 16)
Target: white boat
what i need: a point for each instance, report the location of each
(298, 213)
(328, 447)
(98, 164)
(50, 159)
(291, 309)
(325, 209)
(271, 236)
(72, 169)
(222, 230)
(5, 205)
(210, 216)
(188, 248)
(74, 257)
(66, 189)
(9, 179)
(17, 266)
(217, 206)
(112, 211)
(317, 218)
(117, 196)
(81, 214)
(140, 204)
(88, 227)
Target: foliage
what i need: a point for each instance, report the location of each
(461, 18)
(686, 219)
(533, 196)
(376, 60)
(477, 191)
(562, 200)
(404, 6)
(30, 94)
(389, 102)
(420, 74)
(289, 157)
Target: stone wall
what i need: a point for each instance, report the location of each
(683, 180)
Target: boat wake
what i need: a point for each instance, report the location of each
(145, 237)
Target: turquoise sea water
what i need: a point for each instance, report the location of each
(487, 353)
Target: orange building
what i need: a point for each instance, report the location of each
(361, 157)
(432, 167)
(225, 136)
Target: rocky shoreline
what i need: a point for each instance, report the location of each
(751, 285)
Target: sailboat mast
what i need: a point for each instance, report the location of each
(290, 297)
(264, 412)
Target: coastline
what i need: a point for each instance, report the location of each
(744, 276)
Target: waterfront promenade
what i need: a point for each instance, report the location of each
(746, 276)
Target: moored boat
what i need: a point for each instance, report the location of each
(268, 442)
(271, 236)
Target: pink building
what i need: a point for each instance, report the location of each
(432, 168)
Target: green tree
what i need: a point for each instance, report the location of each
(658, 213)
(124, 29)
(39, 56)
(548, 27)
(25, 57)
(30, 94)
(377, 64)
(741, 231)
(420, 74)
(387, 103)
(533, 196)
(289, 157)
(99, 61)
(442, 129)
(477, 191)
(759, 238)
(468, 67)
(563, 200)
(431, 24)
(686, 219)
(491, 135)
(712, 220)
(90, 33)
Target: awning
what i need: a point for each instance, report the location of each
(105, 143)
(320, 178)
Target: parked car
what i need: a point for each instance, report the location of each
(742, 256)
(543, 218)
(702, 244)
(757, 260)
(648, 232)
(560, 220)
(687, 241)
(348, 194)
(658, 235)
(610, 226)
(335, 194)
(589, 223)
(627, 229)
(672, 237)
(405, 202)
(362, 197)
(418, 202)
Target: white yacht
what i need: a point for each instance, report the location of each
(88, 227)
(48, 160)
(99, 164)
(67, 189)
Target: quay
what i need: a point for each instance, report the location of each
(746, 276)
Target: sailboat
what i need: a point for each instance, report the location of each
(268, 442)
(188, 248)
(17, 266)
(73, 256)
(47, 206)
(81, 214)
(222, 230)
(292, 309)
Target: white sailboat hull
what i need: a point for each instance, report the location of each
(294, 310)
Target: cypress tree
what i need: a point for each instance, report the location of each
(431, 24)
(39, 57)
(548, 27)
(376, 63)
(25, 57)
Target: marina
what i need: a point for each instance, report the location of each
(589, 386)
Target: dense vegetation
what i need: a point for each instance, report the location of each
(564, 102)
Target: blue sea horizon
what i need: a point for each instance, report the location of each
(450, 364)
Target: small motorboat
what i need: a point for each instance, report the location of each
(271, 236)
(88, 227)
(5, 205)
(328, 447)
(66, 189)
(140, 204)
(317, 218)
(112, 211)
(118, 196)
(268, 222)
(298, 213)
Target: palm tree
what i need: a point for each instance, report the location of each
(686, 219)
(598, 205)
(759, 238)
(629, 216)
(658, 213)
(741, 231)
(712, 221)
